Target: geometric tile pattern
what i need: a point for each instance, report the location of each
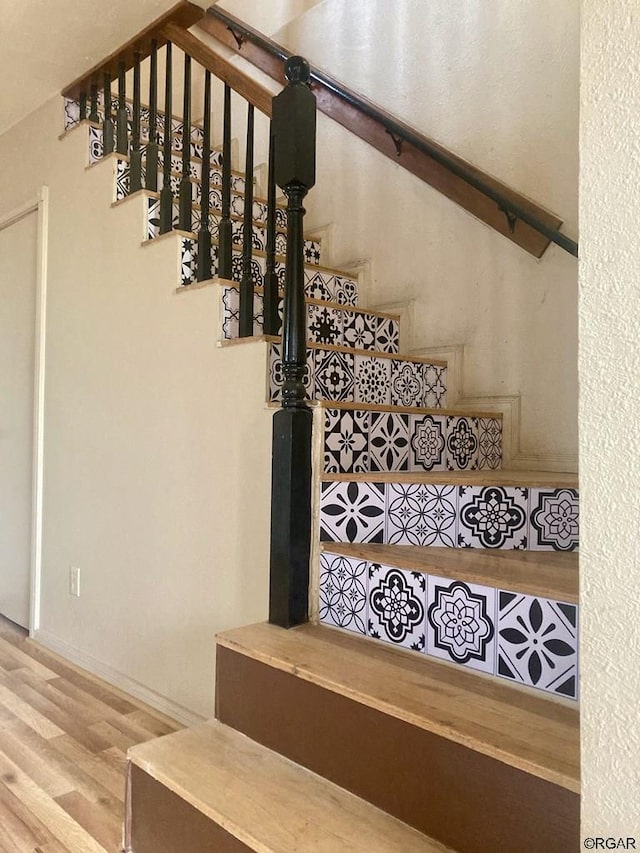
(352, 512)
(398, 441)
(554, 520)
(346, 441)
(538, 642)
(489, 443)
(451, 516)
(529, 640)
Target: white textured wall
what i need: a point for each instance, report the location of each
(609, 422)
(498, 84)
(157, 443)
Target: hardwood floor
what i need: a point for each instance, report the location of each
(63, 741)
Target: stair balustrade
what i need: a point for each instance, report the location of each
(291, 166)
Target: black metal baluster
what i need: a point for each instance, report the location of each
(246, 284)
(184, 210)
(204, 235)
(82, 106)
(294, 130)
(225, 234)
(122, 140)
(151, 171)
(93, 110)
(271, 297)
(135, 168)
(166, 196)
(108, 128)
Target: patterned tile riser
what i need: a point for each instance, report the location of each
(529, 640)
(359, 441)
(451, 516)
(72, 116)
(316, 332)
(332, 377)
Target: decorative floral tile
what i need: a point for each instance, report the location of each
(237, 266)
(324, 325)
(188, 261)
(345, 291)
(461, 623)
(230, 313)
(333, 375)
(493, 517)
(312, 251)
(397, 606)
(281, 217)
(317, 286)
(427, 440)
(346, 447)
(352, 512)
(406, 383)
(372, 380)
(389, 441)
(538, 643)
(387, 335)
(462, 444)
(153, 218)
(555, 517)
(281, 243)
(359, 330)
(421, 514)
(276, 373)
(489, 443)
(122, 179)
(96, 148)
(434, 383)
(343, 592)
(71, 113)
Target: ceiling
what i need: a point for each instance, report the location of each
(45, 46)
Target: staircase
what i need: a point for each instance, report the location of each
(430, 704)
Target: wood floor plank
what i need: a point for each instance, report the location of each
(62, 784)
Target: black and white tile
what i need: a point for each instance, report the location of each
(334, 375)
(345, 290)
(188, 261)
(538, 643)
(123, 174)
(276, 374)
(389, 441)
(555, 519)
(316, 286)
(406, 383)
(153, 218)
(396, 599)
(346, 444)
(312, 252)
(372, 380)
(230, 312)
(324, 325)
(493, 517)
(351, 512)
(462, 444)
(427, 436)
(71, 112)
(343, 592)
(96, 148)
(434, 384)
(360, 330)
(387, 335)
(461, 623)
(421, 514)
(489, 443)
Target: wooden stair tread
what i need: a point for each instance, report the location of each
(266, 801)
(535, 734)
(549, 574)
(416, 410)
(530, 479)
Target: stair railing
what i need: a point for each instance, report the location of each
(292, 161)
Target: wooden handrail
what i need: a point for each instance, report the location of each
(224, 70)
(509, 212)
(183, 14)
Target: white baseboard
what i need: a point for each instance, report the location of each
(117, 679)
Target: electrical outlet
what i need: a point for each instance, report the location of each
(74, 581)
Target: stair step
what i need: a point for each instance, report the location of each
(253, 795)
(399, 438)
(550, 574)
(354, 375)
(426, 742)
(327, 322)
(463, 509)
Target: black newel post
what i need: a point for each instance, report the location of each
(294, 134)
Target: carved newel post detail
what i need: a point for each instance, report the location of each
(294, 136)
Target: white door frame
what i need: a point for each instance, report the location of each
(39, 205)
